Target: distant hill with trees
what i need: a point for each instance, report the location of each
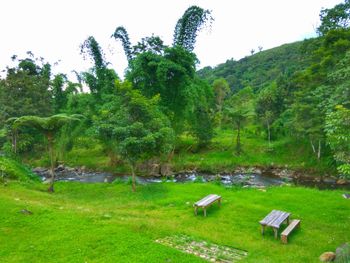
(263, 67)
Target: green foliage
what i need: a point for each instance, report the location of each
(121, 34)
(183, 97)
(45, 124)
(11, 169)
(133, 126)
(200, 119)
(143, 131)
(199, 179)
(221, 92)
(296, 91)
(49, 126)
(339, 83)
(338, 137)
(334, 18)
(152, 44)
(264, 67)
(60, 94)
(188, 25)
(25, 90)
(240, 109)
(169, 75)
(100, 79)
(269, 105)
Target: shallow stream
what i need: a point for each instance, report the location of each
(244, 180)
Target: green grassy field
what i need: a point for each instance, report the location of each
(110, 223)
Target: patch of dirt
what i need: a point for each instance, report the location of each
(203, 249)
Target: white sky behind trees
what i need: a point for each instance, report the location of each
(54, 29)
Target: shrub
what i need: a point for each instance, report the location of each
(11, 169)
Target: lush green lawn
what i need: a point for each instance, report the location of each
(109, 223)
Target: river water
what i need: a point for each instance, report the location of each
(244, 180)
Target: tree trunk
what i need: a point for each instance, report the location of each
(238, 140)
(268, 133)
(220, 116)
(133, 178)
(313, 146)
(51, 153)
(319, 150)
(14, 141)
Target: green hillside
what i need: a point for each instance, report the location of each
(260, 69)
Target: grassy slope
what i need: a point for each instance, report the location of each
(109, 223)
(221, 154)
(11, 169)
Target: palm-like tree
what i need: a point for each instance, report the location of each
(185, 33)
(49, 126)
(189, 25)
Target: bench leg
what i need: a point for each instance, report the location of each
(195, 210)
(219, 202)
(262, 229)
(284, 239)
(205, 211)
(275, 230)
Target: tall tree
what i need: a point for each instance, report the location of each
(269, 105)
(169, 75)
(240, 109)
(25, 90)
(59, 98)
(188, 26)
(221, 91)
(134, 126)
(337, 17)
(121, 34)
(49, 126)
(100, 79)
(201, 120)
(338, 137)
(308, 118)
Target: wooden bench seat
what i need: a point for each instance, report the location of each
(284, 235)
(205, 202)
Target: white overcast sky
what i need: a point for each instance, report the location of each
(54, 29)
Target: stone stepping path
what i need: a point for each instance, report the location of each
(203, 249)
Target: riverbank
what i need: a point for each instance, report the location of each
(246, 177)
(217, 157)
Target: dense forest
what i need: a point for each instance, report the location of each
(289, 100)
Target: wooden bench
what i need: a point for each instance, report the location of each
(284, 235)
(274, 219)
(205, 202)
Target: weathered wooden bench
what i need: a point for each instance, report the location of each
(274, 219)
(205, 202)
(284, 235)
